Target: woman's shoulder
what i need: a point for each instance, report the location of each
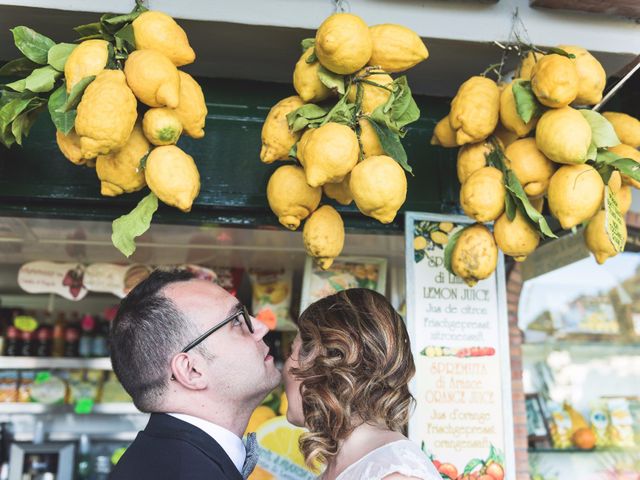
(402, 457)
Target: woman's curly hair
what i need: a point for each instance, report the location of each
(354, 365)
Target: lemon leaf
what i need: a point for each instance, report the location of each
(32, 44)
(18, 85)
(312, 58)
(471, 465)
(391, 144)
(307, 43)
(63, 121)
(42, 79)
(75, 95)
(122, 19)
(126, 35)
(19, 66)
(88, 29)
(627, 166)
(403, 108)
(307, 115)
(448, 249)
(127, 227)
(513, 185)
(510, 206)
(332, 81)
(527, 105)
(602, 133)
(58, 54)
(592, 153)
(22, 124)
(559, 51)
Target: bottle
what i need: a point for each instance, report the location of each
(27, 349)
(13, 343)
(43, 342)
(87, 325)
(99, 347)
(57, 349)
(83, 468)
(71, 341)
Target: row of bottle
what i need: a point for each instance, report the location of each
(77, 336)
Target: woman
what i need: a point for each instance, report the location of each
(346, 382)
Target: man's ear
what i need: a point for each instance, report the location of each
(187, 372)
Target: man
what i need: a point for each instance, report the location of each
(189, 353)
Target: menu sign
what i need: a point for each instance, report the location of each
(459, 336)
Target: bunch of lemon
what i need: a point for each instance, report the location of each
(551, 147)
(345, 160)
(130, 150)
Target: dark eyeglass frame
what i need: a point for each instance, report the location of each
(242, 311)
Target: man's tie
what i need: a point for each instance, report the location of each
(253, 453)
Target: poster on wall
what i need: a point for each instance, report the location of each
(460, 341)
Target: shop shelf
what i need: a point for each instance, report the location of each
(604, 348)
(38, 408)
(52, 363)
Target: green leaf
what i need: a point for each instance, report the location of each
(97, 36)
(19, 66)
(6, 96)
(510, 206)
(63, 121)
(33, 45)
(143, 161)
(513, 185)
(22, 125)
(472, 465)
(527, 105)
(602, 133)
(592, 153)
(133, 224)
(448, 249)
(122, 19)
(614, 221)
(559, 51)
(15, 107)
(307, 43)
(627, 166)
(6, 137)
(126, 35)
(75, 95)
(605, 170)
(607, 157)
(312, 58)
(391, 145)
(378, 115)
(403, 110)
(89, 29)
(58, 55)
(42, 79)
(331, 80)
(309, 114)
(18, 85)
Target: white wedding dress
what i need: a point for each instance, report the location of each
(402, 456)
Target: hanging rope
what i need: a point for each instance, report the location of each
(341, 6)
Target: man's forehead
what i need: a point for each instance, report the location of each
(198, 293)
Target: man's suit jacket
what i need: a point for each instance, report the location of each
(171, 449)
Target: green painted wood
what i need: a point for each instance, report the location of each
(36, 180)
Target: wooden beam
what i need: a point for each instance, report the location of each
(623, 8)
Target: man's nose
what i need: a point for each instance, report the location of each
(259, 328)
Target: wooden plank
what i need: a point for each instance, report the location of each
(623, 8)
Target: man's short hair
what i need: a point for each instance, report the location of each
(145, 334)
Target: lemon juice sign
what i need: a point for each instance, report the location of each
(459, 335)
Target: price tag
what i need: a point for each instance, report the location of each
(614, 221)
(83, 406)
(42, 377)
(25, 323)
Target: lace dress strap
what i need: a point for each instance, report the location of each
(402, 456)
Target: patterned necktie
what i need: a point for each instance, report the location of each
(252, 455)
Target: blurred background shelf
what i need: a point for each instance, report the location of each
(52, 363)
(578, 450)
(124, 408)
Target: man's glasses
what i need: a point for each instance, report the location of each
(242, 312)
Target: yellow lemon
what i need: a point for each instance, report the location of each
(527, 64)
(379, 187)
(284, 404)
(340, 192)
(330, 153)
(106, 114)
(475, 110)
(343, 43)
(443, 134)
(615, 181)
(482, 195)
(471, 158)
(192, 109)
(597, 240)
(153, 78)
(173, 176)
(69, 145)
(575, 194)
(419, 243)
(438, 237)
(369, 140)
(282, 438)
(259, 416)
(396, 48)
(475, 255)
(627, 127)
(537, 203)
(290, 197)
(507, 137)
(155, 30)
(509, 114)
(554, 80)
(306, 80)
(161, 126)
(530, 165)
(626, 151)
(623, 196)
(591, 76)
(119, 172)
(376, 89)
(564, 135)
(88, 58)
(516, 238)
(323, 235)
(277, 137)
(302, 143)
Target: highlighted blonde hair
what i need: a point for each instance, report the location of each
(354, 365)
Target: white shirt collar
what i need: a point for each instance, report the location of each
(229, 441)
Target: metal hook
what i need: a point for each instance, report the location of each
(339, 6)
